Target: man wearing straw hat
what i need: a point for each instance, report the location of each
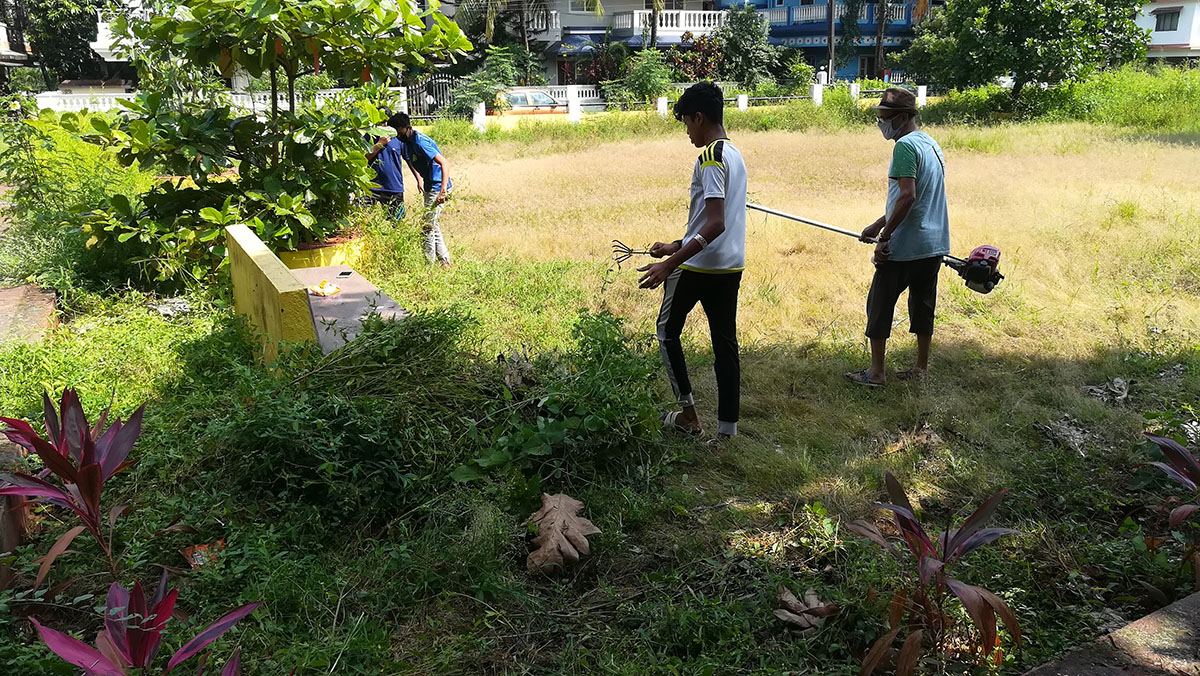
(912, 236)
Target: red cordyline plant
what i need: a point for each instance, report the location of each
(83, 458)
(132, 635)
(1183, 467)
(924, 603)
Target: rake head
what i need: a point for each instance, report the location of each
(622, 252)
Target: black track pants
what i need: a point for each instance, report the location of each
(718, 295)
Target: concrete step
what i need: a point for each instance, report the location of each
(26, 312)
(1164, 643)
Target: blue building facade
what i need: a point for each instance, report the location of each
(803, 24)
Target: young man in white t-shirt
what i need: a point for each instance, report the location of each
(706, 265)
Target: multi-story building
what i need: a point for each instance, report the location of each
(572, 27)
(1174, 29)
(804, 24)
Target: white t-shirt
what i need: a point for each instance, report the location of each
(720, 173)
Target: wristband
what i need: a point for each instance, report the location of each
(700, 238)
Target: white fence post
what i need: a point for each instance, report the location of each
(743, 101)
(662, 106)
(921, 91)
(817, 92)
(855, 90)
(574, 109)
(480, 118)
(404, 100)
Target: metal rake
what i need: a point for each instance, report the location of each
(623, 252)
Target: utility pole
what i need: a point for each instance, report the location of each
(831, 4)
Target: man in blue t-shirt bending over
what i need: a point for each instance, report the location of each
(912, 235)
(387, 158)
(430, 165)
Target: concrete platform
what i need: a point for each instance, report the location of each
(338, 318)
(26, 312)
(1165, 643)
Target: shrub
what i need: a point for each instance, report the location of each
(749, 58)
(701, 59)
(26, 79)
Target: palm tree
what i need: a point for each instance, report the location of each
(490, 10)
(656, 8)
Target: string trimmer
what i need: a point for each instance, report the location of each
(980, 270)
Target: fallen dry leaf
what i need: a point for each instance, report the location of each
(562, 534)
(802, 617)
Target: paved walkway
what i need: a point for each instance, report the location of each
(25, 311)
(1165, 643)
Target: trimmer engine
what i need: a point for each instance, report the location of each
(981, 269)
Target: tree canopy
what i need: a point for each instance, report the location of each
(973, 42)
(60, 33)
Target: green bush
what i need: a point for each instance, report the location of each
(394, 413)
(26, 80)
(56, 177)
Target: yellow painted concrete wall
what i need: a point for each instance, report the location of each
(346, 253)
(266, 293)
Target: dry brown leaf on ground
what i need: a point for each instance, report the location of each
(805, 616)
(562, 534)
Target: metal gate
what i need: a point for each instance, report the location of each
(427, 97)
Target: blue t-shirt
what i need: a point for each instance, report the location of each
(925, 232)
(389, 167)
(422, 150)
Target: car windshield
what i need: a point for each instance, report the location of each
(517, 99)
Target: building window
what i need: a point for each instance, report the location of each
(667, 4)
(583, 6)
(778, 3)
(1167, 21)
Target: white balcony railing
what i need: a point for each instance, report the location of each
(670, 22)
(776, 15)
(820, 13)
(545, 22)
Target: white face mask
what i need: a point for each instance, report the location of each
(888, 127)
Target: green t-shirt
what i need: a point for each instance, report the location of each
(925, 232)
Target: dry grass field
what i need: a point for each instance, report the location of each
(1098, 231)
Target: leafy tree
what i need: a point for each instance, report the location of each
(648, 76)
(606, 61)
(521, 13)
(359, 40)
(851, 33)
(749, 58)
(975, 41)
(26, 80)
(60, 32)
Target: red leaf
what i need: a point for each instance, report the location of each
(57, 549)
(927, 568)
(979, 610)
(316, 60)
(137, 627)
(896, 492)
(870, 532)
(1179, 457)
(1005, 613)
(975, 522)
(75, 425)
(234, 666)
(896, 609)
(116, 619)
(108, 648)
(906, 664)
(50, 415)
(366, 73)
(20, 433)
(211, 634)
(279, 46)
(123, 443)
(115, 513)
(77, 652)
(1183, 513)
(875, 656)
(89, 489)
